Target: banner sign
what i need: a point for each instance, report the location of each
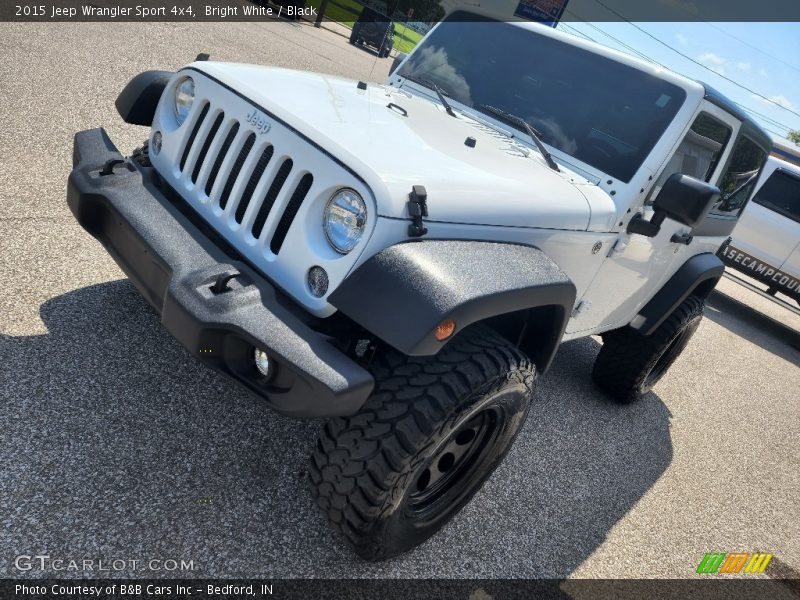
(548, 12)
(761, 271)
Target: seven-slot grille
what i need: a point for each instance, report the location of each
(225, 162)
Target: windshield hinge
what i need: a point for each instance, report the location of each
(618, 247)
(417, 208)
(581, 308)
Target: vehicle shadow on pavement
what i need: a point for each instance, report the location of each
(754, 326)
(119, 445)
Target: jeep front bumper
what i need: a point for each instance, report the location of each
(175, 266)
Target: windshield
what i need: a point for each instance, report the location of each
(603, 113)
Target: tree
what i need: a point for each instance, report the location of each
(794, 136)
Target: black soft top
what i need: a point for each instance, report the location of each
(749, 126)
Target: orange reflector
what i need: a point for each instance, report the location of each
(445, 329)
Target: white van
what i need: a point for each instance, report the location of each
(766, 241)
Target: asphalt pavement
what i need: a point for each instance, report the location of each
(117, 445)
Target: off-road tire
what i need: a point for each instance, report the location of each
(630, 364)
(367, 470)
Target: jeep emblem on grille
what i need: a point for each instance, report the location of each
(258, 121)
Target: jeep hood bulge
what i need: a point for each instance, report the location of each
(414, 142)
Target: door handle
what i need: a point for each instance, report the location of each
(683, 238)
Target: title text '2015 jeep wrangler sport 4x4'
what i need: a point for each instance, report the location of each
(414, 295)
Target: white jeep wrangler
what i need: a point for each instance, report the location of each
(406, 258)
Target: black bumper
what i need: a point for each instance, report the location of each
(174, 266)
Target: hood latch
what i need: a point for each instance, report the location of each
(417, 208)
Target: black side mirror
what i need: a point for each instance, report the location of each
(683, 199)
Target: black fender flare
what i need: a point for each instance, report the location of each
(404, 291)
(137, 102)
(698, 275)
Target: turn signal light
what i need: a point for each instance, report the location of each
(445, 329)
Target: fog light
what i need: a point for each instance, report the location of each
(445, 329)
(318, 281)
(155, 145)
(263, 362)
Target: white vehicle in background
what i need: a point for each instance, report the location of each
(765, 245)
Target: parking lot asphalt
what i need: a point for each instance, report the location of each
(116, 444)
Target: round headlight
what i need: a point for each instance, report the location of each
(184, 96)
(344, 220)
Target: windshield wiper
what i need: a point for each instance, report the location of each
(519, 121)
(429, 84)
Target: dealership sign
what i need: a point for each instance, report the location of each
(548, 12)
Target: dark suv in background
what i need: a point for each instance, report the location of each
(374, 29)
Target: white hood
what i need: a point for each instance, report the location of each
(498, 182)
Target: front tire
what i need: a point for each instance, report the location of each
(432, 432)
(630, 364)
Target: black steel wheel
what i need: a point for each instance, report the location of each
(447, 473)
(433, 431)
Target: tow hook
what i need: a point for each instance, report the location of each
(221, 283)
(108, 168)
